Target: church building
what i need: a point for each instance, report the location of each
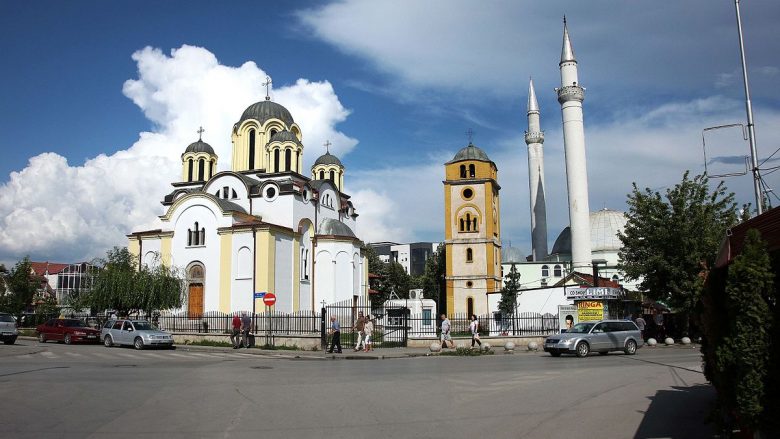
(263, 226)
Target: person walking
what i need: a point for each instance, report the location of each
(474, 328)
(335, 331)
(446, 338)
(368, 328)
(246, 328)
(235, 336)
(360, 324)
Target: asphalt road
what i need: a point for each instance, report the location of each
(58, 391)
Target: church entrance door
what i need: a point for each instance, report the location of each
(195, 301)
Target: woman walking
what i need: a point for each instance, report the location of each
(474, 327)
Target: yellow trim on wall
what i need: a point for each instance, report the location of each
(225, 265)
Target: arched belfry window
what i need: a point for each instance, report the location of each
(252, 149)
(472, 171)
(469, 255)
(190, 166)
(201, 169)
(462, 171)
(288, 160)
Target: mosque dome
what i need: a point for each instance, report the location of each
(470, 152)
(328, 159)
(284, 136)
(605, 225)
(333, 227)
(200, 146)
(264, 110)
(511, 255)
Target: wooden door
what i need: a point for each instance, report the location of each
(195, 301)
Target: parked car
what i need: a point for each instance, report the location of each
(67, 331)
(601, 336)
(8, 331)
(137, 333)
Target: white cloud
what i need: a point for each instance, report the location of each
(67, 212)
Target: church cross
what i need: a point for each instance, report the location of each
(327, 146)
(267, 85)
(470, 134)
(200, 133)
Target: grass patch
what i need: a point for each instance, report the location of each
(467, 352)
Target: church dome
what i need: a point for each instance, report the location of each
(328, 159)
(200, 146)
(284, 136)
(470, 152)
(333, 227)
(511, 255)
(604, 228)
(264, 110)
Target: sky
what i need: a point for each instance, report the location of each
(100, 99)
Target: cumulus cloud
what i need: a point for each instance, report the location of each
(64, 211)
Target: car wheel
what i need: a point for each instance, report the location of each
(630, 347)
(41, 338)
(108, 342)
(555, 354)
(583, 349)
(68, 339)
(603, 352)
(138, 343)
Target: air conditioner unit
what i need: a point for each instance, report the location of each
(416, 294)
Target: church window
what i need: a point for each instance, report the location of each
(557, 272)
(472, 171)
(189, 170)
(462, 171)
(288, 160)
(545, 271)
(251, 149)
(333, 176)
(276, 160)
(322, 175)
(201, 169)
(469, 255)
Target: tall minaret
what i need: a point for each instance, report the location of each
(570, 96)
(534, 138)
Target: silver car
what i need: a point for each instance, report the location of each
(137, 333)
(8, 331)
(602, 336)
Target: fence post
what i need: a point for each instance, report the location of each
(323, 331)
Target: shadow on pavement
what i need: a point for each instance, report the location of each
(678, 413)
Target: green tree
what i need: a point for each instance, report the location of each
(508, 302)
(22, 286)
(668, 240)
(120, 286)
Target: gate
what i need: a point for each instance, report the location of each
(390, 330)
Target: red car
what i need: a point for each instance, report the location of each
(68, 331)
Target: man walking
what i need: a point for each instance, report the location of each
(360, 324)
(246, 327)
(235, 336)
(446, 338)
(335, 331)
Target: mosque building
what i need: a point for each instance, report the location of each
(263, 226)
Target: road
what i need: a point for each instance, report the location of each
(59, 391)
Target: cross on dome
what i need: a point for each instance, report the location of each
(267, 85)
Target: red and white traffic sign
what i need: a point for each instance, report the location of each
(269, 299)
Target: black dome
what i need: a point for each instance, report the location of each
(199, 146)
(264, 110)
(328, 159)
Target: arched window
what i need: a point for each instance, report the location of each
(333, 176)
(201, 169)
(472, 171)
(189, 170)
(545, 271)
(276, 160)
(288, 160)
(469, 255)
(557, 271)
(252, 149)
(322, 175)
(462, 171)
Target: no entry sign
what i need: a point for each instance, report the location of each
(269, 299)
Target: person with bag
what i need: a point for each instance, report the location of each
(474, 327)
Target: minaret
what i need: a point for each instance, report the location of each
(570, 96)
(534, 138)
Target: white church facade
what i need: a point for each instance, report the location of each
(263, 226)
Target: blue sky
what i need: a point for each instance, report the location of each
(394, 85)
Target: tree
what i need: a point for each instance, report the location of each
(669, 239)
(120, 286)
(508, 302)
(21, 285)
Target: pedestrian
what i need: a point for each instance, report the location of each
(368, 328)
(446, 338)
(360, 331)
(246, 328)
(235, 336)
(474, 327)
(640, 323)
(335, 331)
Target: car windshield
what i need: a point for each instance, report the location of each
(581, 328)
(74, 324)
(143, 326)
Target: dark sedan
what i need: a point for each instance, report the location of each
(67, 331)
